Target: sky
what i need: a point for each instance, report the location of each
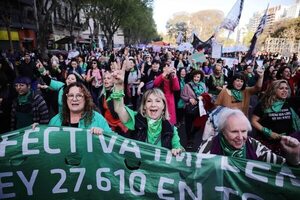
(164, 9)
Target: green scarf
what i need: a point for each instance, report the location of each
(228, 150)
(296, 120)
(182, 83)
(275, 107)
(154, 129)
(218, 81)
(24, 99)
(198, 88)
(237, 95)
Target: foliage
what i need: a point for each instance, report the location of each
(202, 22)
(73, 12)
(139, 27)
(289, 28)
(44, 16)
(247, 38)
(133, 16)
(179, 22)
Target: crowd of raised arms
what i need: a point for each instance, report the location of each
(163, 98)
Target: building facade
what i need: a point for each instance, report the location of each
(17, 22)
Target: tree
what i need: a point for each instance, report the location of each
(205, 22)
(247, 38)
(44, 9)
(178, 23)
(73, 13)
(139, 27)
(202, 22)
(287, 29)
(110, 15)
(6, 18)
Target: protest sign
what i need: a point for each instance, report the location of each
(216, 50)
(198, 57)
(70, 163)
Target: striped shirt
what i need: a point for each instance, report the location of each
(39, 110)
(262, 152)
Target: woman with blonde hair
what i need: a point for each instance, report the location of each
(274, 116)
(151, 124)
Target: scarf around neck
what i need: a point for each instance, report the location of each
(197, 87)
(24, 99)
(182, 83)
(275, 107)
(218, 81)
(154, 129)
(237, 95)
(228, 150)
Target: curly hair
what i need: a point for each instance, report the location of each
(89, 105)
(270, 95)
(196, 72)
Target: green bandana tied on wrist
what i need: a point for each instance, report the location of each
(267, 132)
(117, 95)
(237, 95)
(42, 71)
(228, 150)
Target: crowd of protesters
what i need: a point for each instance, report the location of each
(118, 86)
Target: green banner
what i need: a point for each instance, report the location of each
(70, 163)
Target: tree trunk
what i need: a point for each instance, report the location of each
(9, 38)
(43, 37)
(110, 41)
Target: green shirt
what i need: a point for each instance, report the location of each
(151, 138)
(57, 86)
(98, 121)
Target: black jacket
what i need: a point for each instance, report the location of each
(140, 131)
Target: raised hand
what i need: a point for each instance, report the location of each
(260, 72)
(119, 76)
(291, 148)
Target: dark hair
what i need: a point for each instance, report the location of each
(156, 61)
(77, 78)
(23, 79)
(195, 72)
(246, 67)
(88, 107)
(179, 72)
(233, 78)
(280, 71)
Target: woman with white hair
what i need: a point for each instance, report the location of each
(233, 140)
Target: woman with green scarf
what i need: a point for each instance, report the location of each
(233, 141)
(151, 124)
(274, 116)
(192, 93)
(236, 94)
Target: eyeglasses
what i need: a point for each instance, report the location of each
(77, 96)
(94, 63)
